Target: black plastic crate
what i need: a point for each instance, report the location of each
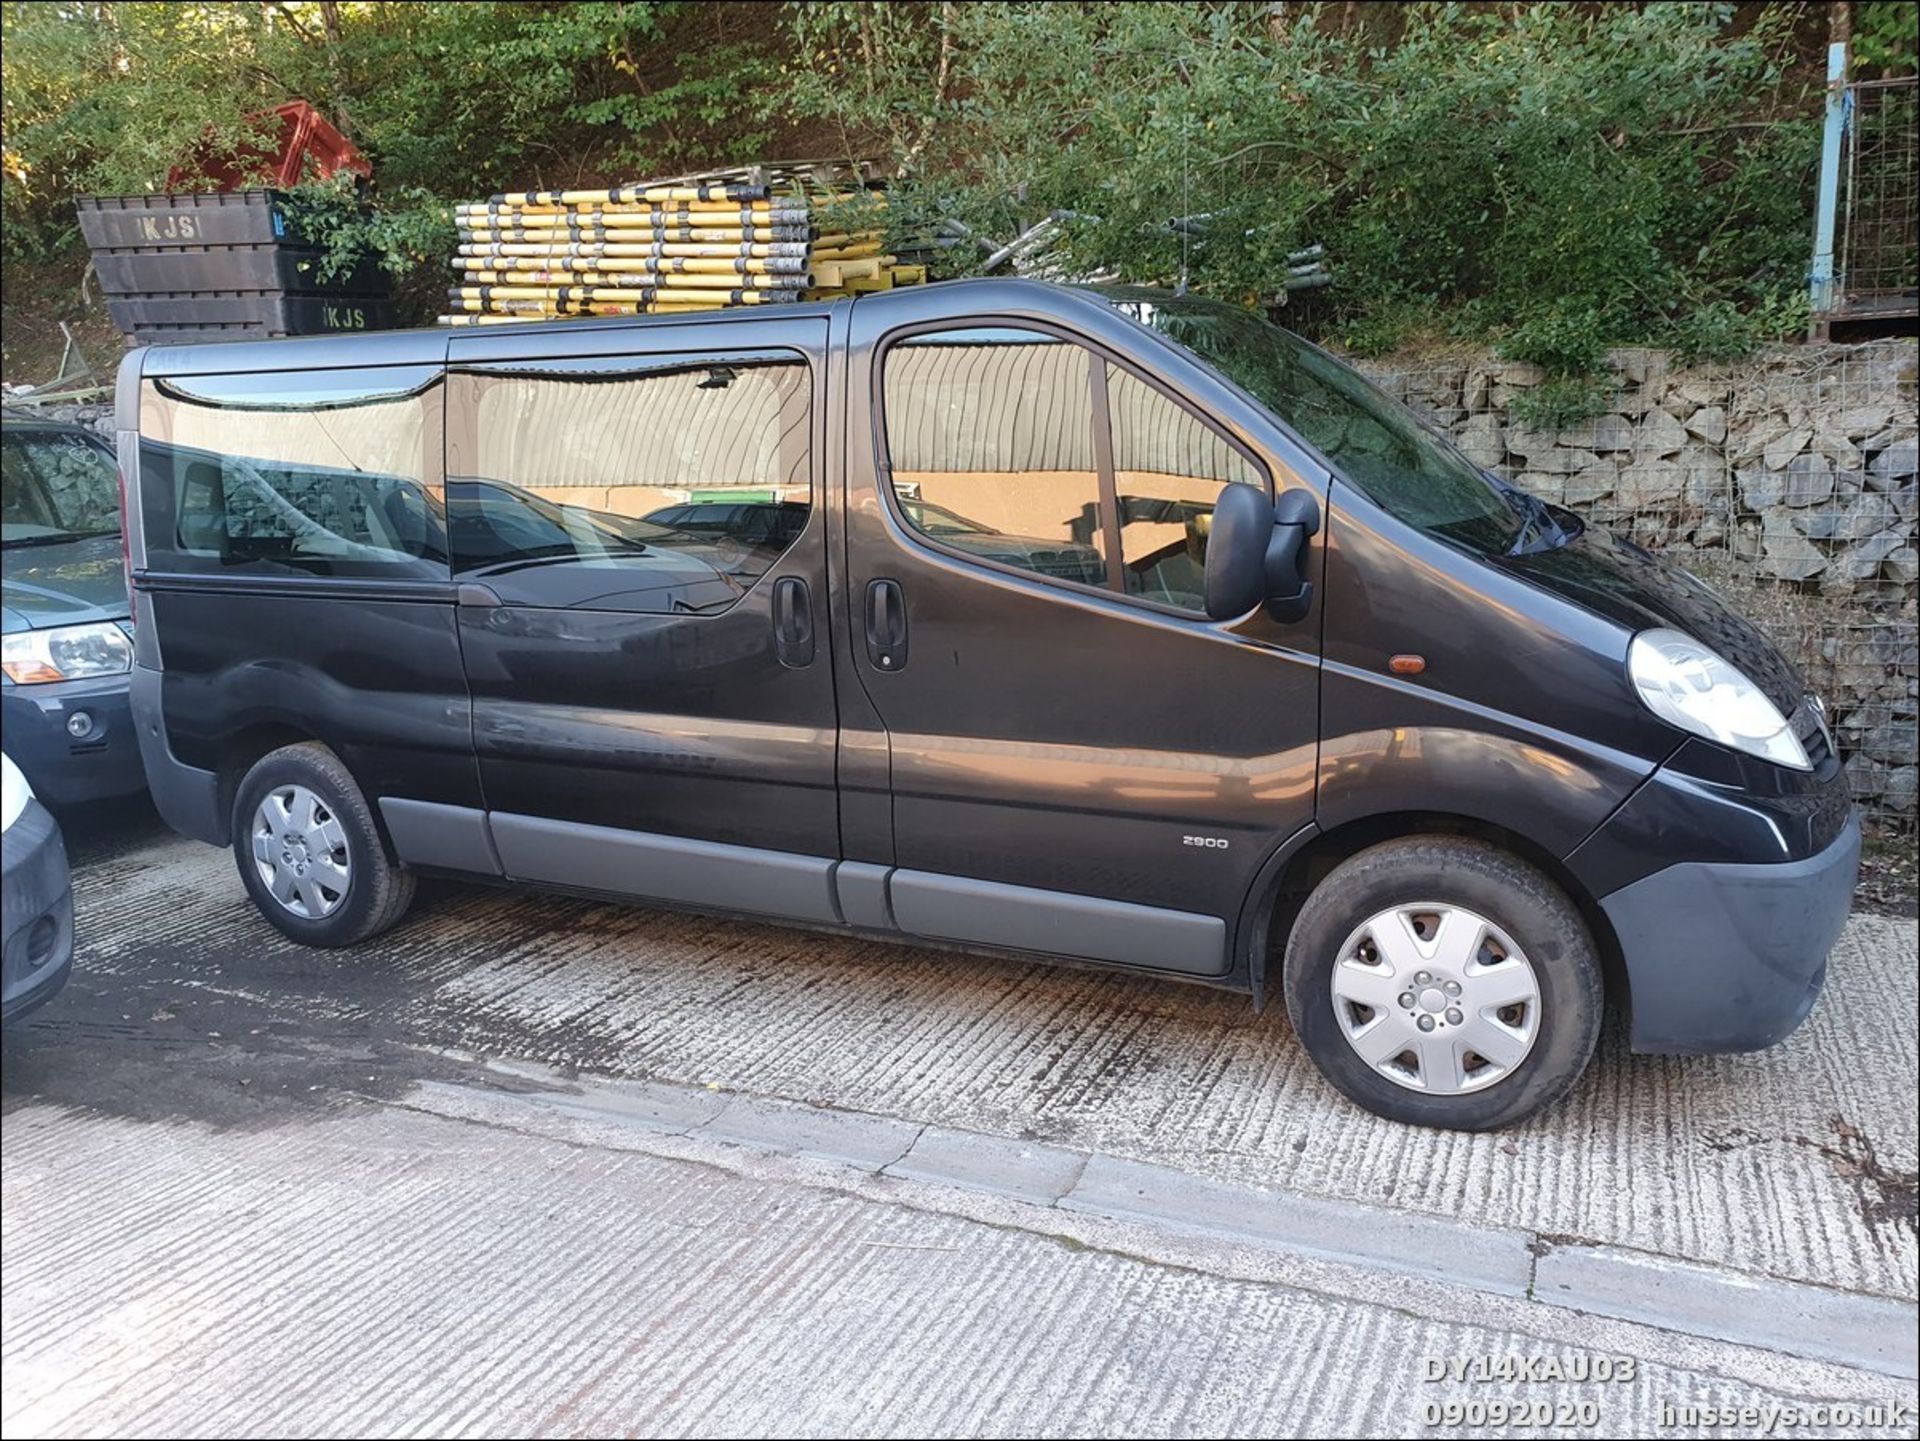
(223, 317)
(150, 222)
(286, 269)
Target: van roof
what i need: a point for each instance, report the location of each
(428, 345)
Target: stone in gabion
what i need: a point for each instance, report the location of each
(1899, 461)
(1895, 742)
(1788, 554)
(1854, 519)
(1862, 420)
(1897, 789)
(1709, 423)
(1482, 440)
(1659, 434)
(1594, 481)
(1809, 480)
(1520, 373)
(1701, 391)
(1612, 432)
(1648, 485)
(1760, 490)
(1844, 454)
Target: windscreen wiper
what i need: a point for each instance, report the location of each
(1540, 528)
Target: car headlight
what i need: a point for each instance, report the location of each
(1688, 685)
(66, 652)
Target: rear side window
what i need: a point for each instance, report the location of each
(664, 486)
(324, 473)
(1023, 449)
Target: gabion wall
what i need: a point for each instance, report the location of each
(1787, 481)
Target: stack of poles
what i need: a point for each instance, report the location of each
(656, 250)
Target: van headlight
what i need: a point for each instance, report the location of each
(66, 652)
(1688, 685)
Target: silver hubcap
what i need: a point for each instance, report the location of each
(300, 851)
(1436, 998)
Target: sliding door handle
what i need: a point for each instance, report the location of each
(886, 625)
(793, 622)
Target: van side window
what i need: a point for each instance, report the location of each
(990, 444)
(1169, 468)
(327, 473)
(665, 488)
(995, 449)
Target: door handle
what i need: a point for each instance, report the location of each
(792, 622)
(886, 624)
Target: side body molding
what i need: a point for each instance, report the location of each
(665, 868)
(1021, 918)
(815, 890)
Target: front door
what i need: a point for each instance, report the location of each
(639, 548)
(1082, 763)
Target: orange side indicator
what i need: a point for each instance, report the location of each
(1407, 664)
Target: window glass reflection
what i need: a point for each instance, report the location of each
(669, 489)
(324, 475)
(990, 444)
(1169, 467)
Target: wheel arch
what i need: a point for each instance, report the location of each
(250, 744)
(1304, 860)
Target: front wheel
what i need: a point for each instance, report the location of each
(1441, 981)
(308, 851)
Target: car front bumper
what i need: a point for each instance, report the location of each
(36, 913)
(1729, 957)
(65, 769)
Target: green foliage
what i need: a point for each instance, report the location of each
(1562, 343)
(449, 101)
(1384, 328)
(1721, 331)
(1548, 173)
(1562, 401)
(1886, 36)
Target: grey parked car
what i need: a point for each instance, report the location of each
(67, 638)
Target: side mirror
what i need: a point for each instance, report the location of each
(1254, 552)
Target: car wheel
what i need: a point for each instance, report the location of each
(308, 852)
(1443, 982)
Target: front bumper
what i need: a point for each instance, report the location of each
(36, 913)
(1731, 957)
(63, 769)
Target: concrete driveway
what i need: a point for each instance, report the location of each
(658, 1173)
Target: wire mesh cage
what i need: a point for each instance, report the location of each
(1878, 247)
(1786, 481)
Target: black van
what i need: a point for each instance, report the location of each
(1121, 627)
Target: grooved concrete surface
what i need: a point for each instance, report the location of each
(253, 1189)
(1797, 1162)
(390, 1272)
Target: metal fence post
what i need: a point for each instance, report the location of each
(1821, 277)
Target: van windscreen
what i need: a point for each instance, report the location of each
(1369, 438)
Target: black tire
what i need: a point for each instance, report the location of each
(377, 892)
(1518, 899)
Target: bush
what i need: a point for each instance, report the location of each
(1722, 331)
(1562, 401)
(1524, 171)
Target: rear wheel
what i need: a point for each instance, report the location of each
(1444, 982)
(308, 851)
